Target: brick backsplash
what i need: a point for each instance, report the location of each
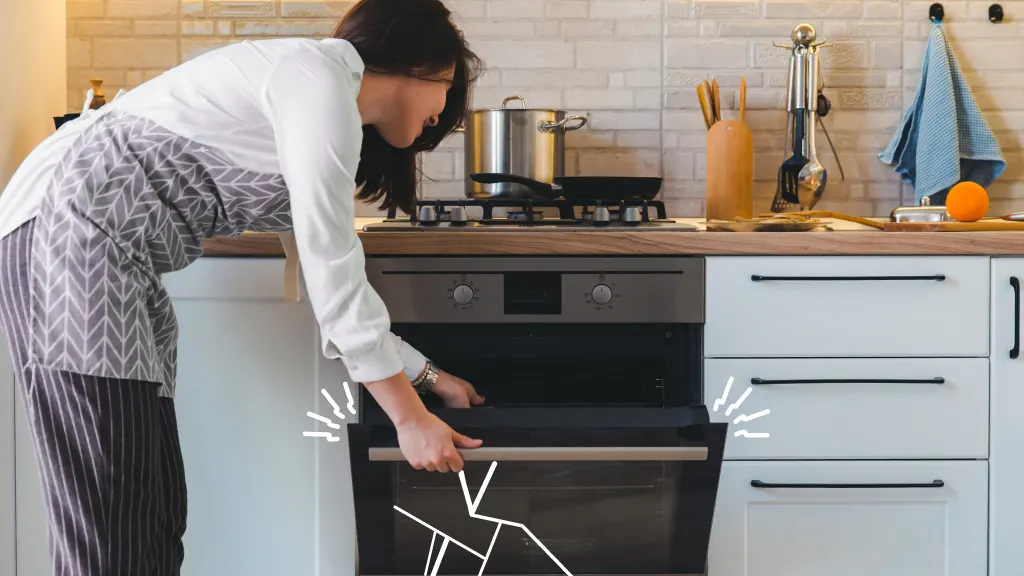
(632, 66)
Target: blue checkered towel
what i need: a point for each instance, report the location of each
(943, 139)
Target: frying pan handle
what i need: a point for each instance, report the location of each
(546, 190)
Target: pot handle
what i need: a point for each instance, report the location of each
(522, 101)
(546, 190)
(563, 124)
(504, 104)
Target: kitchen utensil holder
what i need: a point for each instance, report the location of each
(729, 171)
(806, 105)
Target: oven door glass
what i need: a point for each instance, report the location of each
(580, 365)
(551, 491)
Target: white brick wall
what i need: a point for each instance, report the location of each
(631, 66)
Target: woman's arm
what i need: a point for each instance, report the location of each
(398, 399)
(310, 100)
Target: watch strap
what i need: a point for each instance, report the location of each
(425, 381)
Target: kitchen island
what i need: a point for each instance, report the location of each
(892, 392)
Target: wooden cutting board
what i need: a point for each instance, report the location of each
(993, 225)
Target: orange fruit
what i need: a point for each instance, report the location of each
(967, 202)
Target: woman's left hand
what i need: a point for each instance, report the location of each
(456, 392)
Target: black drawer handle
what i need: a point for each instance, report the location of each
(759, 278)
(1015, 351)
(932, 484)
(938, 380)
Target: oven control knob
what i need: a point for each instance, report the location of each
(428, 214)
(463, 294)
(601, 214)
(601, 294)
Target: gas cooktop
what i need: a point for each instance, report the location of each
(507, 215)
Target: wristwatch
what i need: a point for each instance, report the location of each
(425, 381)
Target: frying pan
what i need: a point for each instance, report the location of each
(606, 188)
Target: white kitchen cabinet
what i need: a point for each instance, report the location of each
(8, 397)
(33, 535)
(852, 408)
(25, 551)
(814, 306)
(890, 529)
(1006, 462)
(263, 499)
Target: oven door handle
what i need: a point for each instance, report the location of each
(563, 454)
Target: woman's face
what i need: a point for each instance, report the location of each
(418, 103)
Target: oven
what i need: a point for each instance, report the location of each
(598, 454)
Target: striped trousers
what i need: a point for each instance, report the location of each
(107, 452)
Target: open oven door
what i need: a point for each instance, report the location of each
(551, 491)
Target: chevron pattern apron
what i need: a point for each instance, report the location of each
(132, 201)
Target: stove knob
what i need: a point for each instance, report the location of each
(428, 214)
(463, 294)
(632, 214)
(601, 294)
(601, 214)
(457, 214)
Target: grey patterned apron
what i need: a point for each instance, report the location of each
(129, 202)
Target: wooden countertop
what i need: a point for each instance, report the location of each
(847, 239)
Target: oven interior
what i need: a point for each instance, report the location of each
(566, 365)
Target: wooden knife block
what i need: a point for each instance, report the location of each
(730, 171)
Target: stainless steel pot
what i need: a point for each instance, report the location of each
(517, 141)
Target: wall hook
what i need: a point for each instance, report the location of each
(995, 13)
(936, 13)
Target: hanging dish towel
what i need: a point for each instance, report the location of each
(943, 139)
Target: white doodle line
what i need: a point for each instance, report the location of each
(745, 418)
(725, 396)
(742, 417)
(471, 506)
(337, 412)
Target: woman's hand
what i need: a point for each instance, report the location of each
(428, 443)
(456, 392)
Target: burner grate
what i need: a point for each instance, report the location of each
(528, 212)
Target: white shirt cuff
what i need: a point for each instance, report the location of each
(379, 364)
(412, 359)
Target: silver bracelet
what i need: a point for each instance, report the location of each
(425, 381)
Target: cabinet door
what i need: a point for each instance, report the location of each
(250, 368)
(852, 408)
(33, 534)
(1006, 460)
(27, 553)
(850, 519)
(902, 292)
(8, 397)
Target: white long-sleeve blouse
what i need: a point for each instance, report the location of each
(282, 106)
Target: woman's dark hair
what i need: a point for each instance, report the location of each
(410, 38)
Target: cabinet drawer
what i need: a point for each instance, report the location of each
(847, 306)
(235, 279)
(812, 518)
(853, 408)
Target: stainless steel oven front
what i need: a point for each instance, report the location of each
(598, 454)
